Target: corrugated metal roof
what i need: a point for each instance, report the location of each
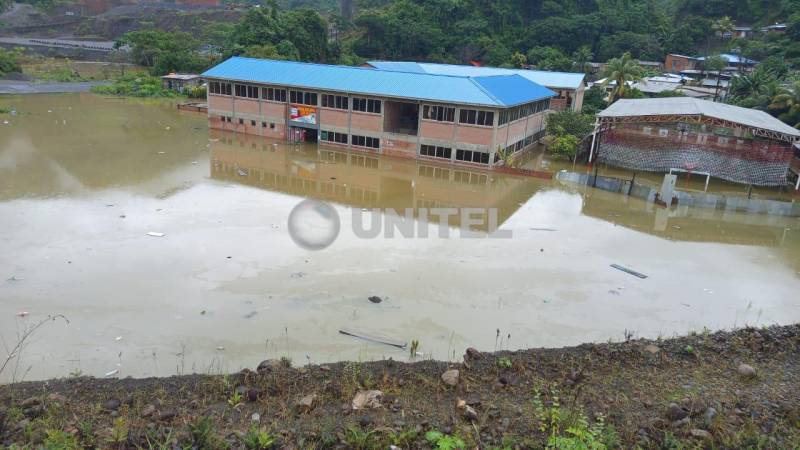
(563, 80)
(695, 107)
(504, 92)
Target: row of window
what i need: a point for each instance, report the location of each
(215, 87)
(335, 101)
(366, 105)
(439, 113)
(365, 141)
(241, 122)
(435, 151)
(303, 98)
(242, 90)
(298, 97)
(472, 156)
(274, 94)
(476, 117)
(358, 141)
(520, 112)
(332, 136)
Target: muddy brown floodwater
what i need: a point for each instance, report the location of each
(83, 179)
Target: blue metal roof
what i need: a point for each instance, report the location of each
(503, 92)
(563, 80)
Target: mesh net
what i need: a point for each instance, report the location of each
(657, 147)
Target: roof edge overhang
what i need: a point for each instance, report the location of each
(316, 88)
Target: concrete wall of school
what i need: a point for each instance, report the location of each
(269, 119)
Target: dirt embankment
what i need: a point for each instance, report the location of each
(66, 21)
(722, 390)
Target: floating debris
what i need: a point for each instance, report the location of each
(15, 278)
(298, 275)
(112, 373)
(250, 315)
(375, 299)
(543, 229)
(22, 313)
(373, 338)
(629, 271)
(155, 234)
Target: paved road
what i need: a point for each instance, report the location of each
(102, 46)
(29, 87)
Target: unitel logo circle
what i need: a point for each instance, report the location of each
(313, 224)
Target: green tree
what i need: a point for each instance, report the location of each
(723, 26)
(715, 64)
(9, 61)
(569, 122)
(518, 60)
(565, 145)
(786, 105)
(622, 70)
(165, 52)
(582, 57)
(594, 100)
(549, 58)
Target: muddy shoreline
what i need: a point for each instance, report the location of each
(725, 389)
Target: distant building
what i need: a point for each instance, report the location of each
(651, 65)
(675, 63)
(779, 28)
(569, 86)
(736, 144)
(180, 81)
(446, 118)
(742, 32)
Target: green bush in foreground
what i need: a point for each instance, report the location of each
(135, 86)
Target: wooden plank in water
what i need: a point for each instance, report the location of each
(373, 338)
(629, 271)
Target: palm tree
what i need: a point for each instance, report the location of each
(723, 26)
(582, 57)
(752, 84)
(787, 104)
(622, 70)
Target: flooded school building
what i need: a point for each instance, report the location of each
(462, 119)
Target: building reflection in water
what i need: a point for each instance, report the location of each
(362, 180)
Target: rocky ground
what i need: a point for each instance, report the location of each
(723, 390)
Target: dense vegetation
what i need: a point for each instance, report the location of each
(563, 35)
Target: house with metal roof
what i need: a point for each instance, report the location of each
(569, 86)
(736, 144)
(443, 117)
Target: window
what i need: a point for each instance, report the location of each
(241, 121)
(335, 101)
(435, 151)
(440, 113)
(474, 117)
(240, 90)
(228, 119)
(252, 92)
(663, 132)
(263, 124)
(216, 87)
(366, 105)
(274, 94)
(365, 141)
(503, 119)
(332, 136)
(271, 126)
(647, 130)
(252, 123)
(472, 156)
(304, 98)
